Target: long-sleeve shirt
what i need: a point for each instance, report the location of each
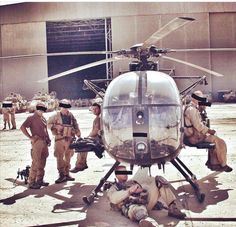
(193, 121)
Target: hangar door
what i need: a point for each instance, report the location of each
(73, 36)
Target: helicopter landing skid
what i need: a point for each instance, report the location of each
(90, 199)
(192, 179)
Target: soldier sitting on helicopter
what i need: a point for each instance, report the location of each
(136, 197)
(81, 162)
(196, 132)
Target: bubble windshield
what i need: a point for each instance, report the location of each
(156, 96)
(154, 89)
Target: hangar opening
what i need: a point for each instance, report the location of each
(73, 36)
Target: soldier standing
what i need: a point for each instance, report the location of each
(6, 107)
(40, 141)
(64, 127)
(13, 118)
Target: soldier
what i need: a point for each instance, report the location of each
(13, 118)
(136, 197)
(64, 127)
(40, 141)
(81, 163)
(196, 131)
(6, 107)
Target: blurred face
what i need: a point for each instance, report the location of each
(64, 110)
(40, 112)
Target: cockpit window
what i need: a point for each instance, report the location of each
(141, 88)
(160, 89)
(122, 91)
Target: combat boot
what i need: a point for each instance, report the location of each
(77, 169)
(62, 178)
(42, 183)
(148, 222)
(175, 212)
(34, 185)
(69, 178)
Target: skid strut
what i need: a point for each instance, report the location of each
(89, 199)
(191, 180)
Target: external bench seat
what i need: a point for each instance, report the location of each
(202, 145)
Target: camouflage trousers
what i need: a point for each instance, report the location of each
(39, 154)
(135, 212)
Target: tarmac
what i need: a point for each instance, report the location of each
(62, 205)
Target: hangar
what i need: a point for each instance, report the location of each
(52, 27)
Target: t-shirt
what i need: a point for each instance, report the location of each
(37, 125)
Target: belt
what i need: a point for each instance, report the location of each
(63, 138)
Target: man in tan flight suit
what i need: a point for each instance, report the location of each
(136, 197)
(81, 163)
(64, 127)
(196, 131)
(40, 141)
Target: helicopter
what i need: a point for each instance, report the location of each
(142, 113)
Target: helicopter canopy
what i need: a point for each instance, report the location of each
(142, 117)
(151, 88)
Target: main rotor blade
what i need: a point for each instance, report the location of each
(77, 69)
(166, 30)
(193, 65)
(58, 54)
(201, 49)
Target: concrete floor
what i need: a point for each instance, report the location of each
(61, 204)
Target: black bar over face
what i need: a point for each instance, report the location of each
(201, 99)
(64, 105)
(44, 109)
(205, 103)
(7, 105)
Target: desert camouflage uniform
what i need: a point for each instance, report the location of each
(138, 208)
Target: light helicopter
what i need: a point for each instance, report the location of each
(142, 114)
